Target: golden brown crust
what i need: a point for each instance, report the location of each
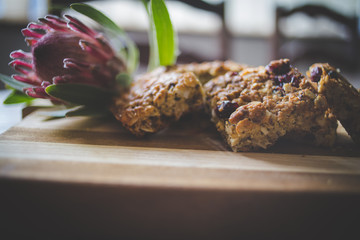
(208, 70)
(256, 106)
(203, 71)
(153, 102)
(343, 98)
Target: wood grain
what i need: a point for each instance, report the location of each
(190, 154)
(89, 179)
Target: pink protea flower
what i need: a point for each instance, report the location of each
(65, 51)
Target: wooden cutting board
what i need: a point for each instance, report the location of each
(184, 179)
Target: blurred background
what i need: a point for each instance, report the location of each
(246, 31)
(251, 32)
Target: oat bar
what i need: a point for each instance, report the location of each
(254, 107)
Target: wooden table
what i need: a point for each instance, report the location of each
(89, 178)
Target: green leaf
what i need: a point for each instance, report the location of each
(80, 94)
(153, 53)
(146, 2)
(17, 97)
(165, 37)
(163, 45)
(91, 12)
(96, 15)
(14, 83)
(123, 79)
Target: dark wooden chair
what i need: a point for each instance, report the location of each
(219, 10)
(314, 48)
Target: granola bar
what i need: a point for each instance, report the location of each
(254, 107)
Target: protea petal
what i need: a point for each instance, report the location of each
(25, 79)
(45, 84)
(21, 64)
(52, 24)
(33, 25)
(37, 92)
(31, 41)
(21, 54)
(32, 34)
(21, 70)
(93, 50)
(56, 19)
(78, 26)
(73, 63)
(60, 79)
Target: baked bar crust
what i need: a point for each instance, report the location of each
(254, 107)
(154, 101)
(343, 98)
(208, 70)
(203, 71)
